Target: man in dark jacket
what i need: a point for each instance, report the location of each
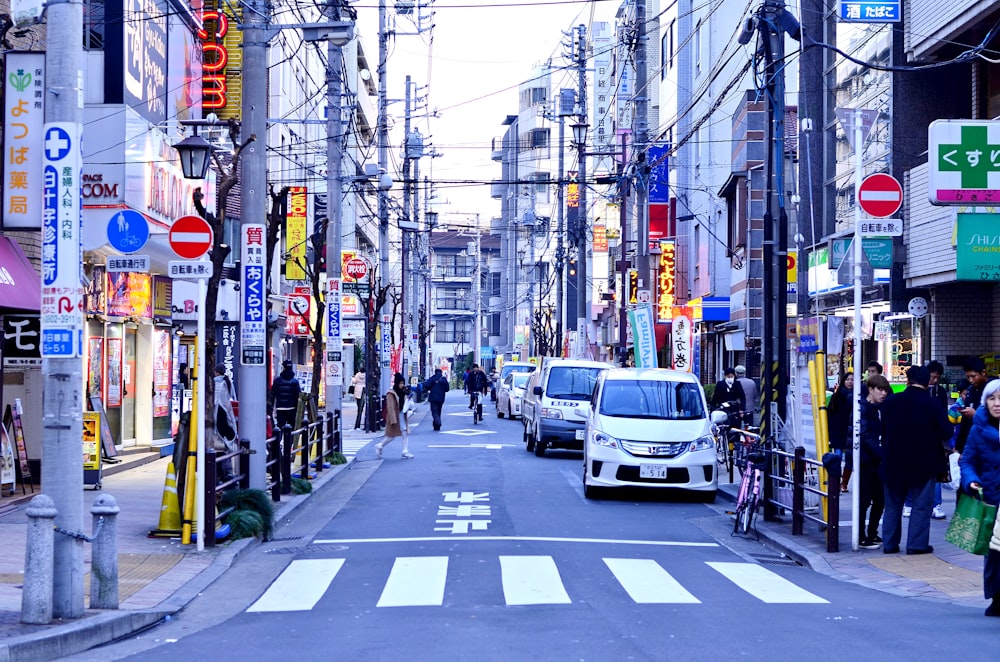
(914, 433)
(729, 390)
(285, 391)
(476, 383)
(975, 372)
(436, 387)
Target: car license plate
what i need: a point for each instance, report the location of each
(579, 434)
(652, 471)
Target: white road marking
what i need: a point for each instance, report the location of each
(765, 585)
(415, 581)
(607, 541)
(532, 580)
(487, 446)
(647, 582)
(467, 432)
(300, 586)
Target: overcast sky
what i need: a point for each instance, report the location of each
(480, 52)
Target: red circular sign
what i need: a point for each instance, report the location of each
(190, 237)
(356, 268)
(880, 195)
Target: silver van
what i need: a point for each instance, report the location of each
(549, 408)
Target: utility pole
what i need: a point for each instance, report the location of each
(253, 205)
(403, 235)
(477, 296)
(335, 138)
(583, 288)
(62, 333)
(382, 138)
(560, 223)
(641, 125)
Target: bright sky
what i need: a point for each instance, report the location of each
(481, 52)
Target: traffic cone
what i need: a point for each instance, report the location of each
(170, 511)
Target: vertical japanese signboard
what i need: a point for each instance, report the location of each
(681, 342)
(644, 336)
(333, 328)
(62, 287)
(253, 336)
(386, 341)
(665, 281)
(296, 233)
(24, 117)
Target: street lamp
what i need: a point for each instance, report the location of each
(195, 153)
(580, 235)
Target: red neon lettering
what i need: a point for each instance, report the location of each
(214, 92)
(218, 60)
(221, 25)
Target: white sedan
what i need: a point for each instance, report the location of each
(510, 394)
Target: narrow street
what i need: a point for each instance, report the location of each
(476, 549)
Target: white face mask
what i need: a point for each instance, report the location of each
(729, 381)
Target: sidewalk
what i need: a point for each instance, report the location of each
(949, 574)
(157, 577)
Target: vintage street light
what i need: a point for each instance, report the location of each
(195, 153)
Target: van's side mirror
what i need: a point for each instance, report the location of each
(537, 390)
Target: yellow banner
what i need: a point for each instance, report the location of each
(295, 237)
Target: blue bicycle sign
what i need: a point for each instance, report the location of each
(128, 231)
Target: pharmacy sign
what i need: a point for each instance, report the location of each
(964, 162)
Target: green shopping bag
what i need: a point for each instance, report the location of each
(972, 524)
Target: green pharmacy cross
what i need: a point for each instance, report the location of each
(966, 171)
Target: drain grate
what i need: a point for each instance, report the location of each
(767, 559)
(288, 539)
(308, 550)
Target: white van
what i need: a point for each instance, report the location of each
(549, 408)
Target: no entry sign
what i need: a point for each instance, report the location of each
(880, 195)
(190, 237)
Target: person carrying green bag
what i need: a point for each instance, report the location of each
(980, 466)
(972, 525)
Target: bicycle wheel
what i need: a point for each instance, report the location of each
(742, 500)
(744, 519)
(721, 449)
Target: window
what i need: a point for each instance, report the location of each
(93, 25)
(451, 265)
(452, 331)
(672, 401)
(494, 284)
(664, 55)
(572, 383)
(452, 298)
(697, 47)
(670, 47)
(539, 138)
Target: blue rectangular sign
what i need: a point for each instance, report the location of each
(871, 11)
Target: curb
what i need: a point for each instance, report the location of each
(103, 627)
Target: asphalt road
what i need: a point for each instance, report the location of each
(478, 550)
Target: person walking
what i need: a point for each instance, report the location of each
(396, 413)
(914, 433)
(840, 424)
(358, 382)
(225, 418)
(285, 390)
(436, 387)
(870, 487)
(980, 467)
(750, 393)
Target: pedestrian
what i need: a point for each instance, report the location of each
(396, 413)
(980, 466)
(358, 382)
(225, 418)
(729, 390)
(870, 487)
(913, 437)
(436, 387)
(937, 390)
(465, 381)
(285, 390)
(975, 372)
(939, 396)
(840, 425)
(873, 368)
(750, 393)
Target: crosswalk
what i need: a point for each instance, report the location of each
(525, 580)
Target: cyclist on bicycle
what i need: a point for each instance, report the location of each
(478, 382)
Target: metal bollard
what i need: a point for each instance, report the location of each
(36, 596)
(104, 555)
(286, 459)
(831, 461)
(798, 494)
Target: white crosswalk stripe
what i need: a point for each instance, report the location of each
(421, 581)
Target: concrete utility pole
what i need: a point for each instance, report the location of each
(408, 187)
(334, 208)
(582, 288)
(560, 229)
(253, 205)
(382, 137)
(477, 296)
(62, 367)
(641, 125)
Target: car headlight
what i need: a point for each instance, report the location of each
(602, 439)
(552, 412)
(702, 443)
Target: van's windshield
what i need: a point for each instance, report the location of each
(675, 401)
(568, 383)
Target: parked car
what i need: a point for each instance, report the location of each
(649, 427)
(549, 412)
(515, 366)
(511, 393)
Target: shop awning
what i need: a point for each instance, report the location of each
(20, 284)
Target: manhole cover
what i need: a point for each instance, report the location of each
(309, 550)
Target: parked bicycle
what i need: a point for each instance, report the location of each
(727, 420)
(749, 495)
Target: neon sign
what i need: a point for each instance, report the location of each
(665, 281)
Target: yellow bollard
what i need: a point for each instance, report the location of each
(192, 460)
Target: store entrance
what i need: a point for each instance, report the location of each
(128, 387)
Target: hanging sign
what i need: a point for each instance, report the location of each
(253, 336)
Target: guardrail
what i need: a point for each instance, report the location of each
(777, 488)
(315, 440)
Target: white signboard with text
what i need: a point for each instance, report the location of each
(253, 335)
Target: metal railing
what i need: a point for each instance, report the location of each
(778, 486)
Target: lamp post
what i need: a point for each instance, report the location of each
(195, 154)
(580, 236)
(614, 240)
